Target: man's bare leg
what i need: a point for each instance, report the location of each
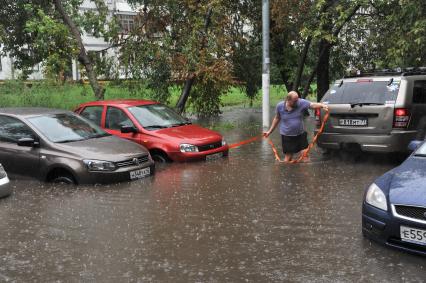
(288, 157)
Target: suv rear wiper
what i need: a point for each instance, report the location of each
(364, 103)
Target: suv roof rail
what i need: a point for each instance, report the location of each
(408, 71)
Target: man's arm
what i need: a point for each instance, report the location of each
(275, 122)
(316, 105)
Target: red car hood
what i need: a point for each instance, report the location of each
(192, 134)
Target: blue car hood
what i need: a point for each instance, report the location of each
(408, 184)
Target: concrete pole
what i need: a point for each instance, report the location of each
(266, 65)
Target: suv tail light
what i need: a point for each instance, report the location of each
(401, 118)
(318, 117)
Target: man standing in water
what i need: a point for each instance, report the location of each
(289, 114)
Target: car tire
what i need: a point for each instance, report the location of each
(160, 158)
(64, 179)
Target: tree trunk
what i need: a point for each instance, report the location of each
(286, 80)
(324, 54)
(308, 83)
(83, 57)
(323, 69)
(301, 63)
(180, 106)
(186, 92)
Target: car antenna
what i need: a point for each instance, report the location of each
(390, 81)
(341, 83)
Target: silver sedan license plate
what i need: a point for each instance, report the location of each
(413, 235)
(214, 156)
(141, 173)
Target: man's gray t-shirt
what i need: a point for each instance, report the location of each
(291, 123)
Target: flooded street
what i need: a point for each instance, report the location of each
(244, 218)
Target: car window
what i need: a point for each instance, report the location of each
(419, 92)
(155, 116)
(116, 118)
(66, 127)
(363, 91)
(93, 113)
(12, 129)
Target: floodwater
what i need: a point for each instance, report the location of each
(245, 218)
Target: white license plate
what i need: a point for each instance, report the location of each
(141, 173)
(412, 235)
(353, 122)
(214, 156)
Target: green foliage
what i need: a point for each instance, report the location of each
(53, 41)
(176, 40)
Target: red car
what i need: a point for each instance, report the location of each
(167, 135)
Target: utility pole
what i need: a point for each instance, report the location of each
(266, 65)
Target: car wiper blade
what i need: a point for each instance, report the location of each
(420, 154)
(156, 127)
(181, 124)
(100, 136)
(365, 103)
(67, 141)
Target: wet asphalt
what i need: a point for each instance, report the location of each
(244, 218)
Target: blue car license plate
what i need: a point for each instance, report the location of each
(413, 235)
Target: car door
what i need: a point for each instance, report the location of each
(22, 160)
(115, 118)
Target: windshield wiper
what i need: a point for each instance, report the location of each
(365, 103)
(100, 136)
(181, 124)
(67, 141)
(420, 154)
(156, 127)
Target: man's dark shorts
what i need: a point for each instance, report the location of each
(294, 144)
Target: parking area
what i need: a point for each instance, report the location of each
(244, 218)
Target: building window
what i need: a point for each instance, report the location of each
(127, 23)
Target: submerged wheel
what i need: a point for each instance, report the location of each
(61, 177)
(160, 158)
(64, 180)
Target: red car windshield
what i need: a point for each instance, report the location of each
(157, 116)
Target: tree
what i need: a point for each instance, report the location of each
(41, 31)
(192, 38)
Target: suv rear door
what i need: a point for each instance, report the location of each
(362, 105)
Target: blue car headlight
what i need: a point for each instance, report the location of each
(376, 197)
(99, 165)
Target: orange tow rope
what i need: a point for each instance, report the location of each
(274, 149)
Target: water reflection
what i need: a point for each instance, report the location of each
(237, 219)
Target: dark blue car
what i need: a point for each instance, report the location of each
(394, 207)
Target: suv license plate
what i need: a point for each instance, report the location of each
(214, 156)
(353, 122)
(413, 235)
(141, 173)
